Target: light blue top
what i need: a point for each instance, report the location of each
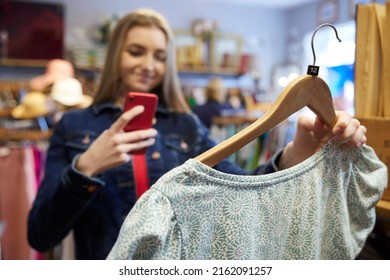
(322, 208)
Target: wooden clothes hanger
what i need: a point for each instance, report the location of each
(306, 90)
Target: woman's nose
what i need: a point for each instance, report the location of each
(148, 62)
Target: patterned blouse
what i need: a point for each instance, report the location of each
(322, 208)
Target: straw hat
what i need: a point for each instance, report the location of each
(34, 104)
(69, 92)
(55, 69)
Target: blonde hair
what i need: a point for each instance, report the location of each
(215, 90)
(111, 86)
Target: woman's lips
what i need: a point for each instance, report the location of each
(145, 78)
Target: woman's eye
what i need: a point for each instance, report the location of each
(135, 52)
(161, 56)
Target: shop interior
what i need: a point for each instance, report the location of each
(255, 48)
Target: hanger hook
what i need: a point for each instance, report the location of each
(312, 39)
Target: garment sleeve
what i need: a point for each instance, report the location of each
(150, 231)
(62, 196)
(367, 181)
(353, 181)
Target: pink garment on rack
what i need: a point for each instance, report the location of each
(17, 191)
(39, 162)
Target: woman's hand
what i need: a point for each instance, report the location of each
(113, 146)
(312, 135)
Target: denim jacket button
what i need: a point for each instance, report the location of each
(86, 140)
(156, 155)
(90, 188)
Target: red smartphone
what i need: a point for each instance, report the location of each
(145, 119)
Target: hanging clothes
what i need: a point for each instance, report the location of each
(17, 191)
(322, 208)
(20, 172)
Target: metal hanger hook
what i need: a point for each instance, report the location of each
(312, 38)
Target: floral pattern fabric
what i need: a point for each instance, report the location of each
(322, 208)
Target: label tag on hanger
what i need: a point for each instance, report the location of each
(313, 70)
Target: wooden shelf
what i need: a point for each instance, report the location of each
(383, 209)
(88, 68)
(23, 62)
(221, 54)
(5, 113)
(23, 135)
(41, 64)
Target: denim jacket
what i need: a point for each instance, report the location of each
(95, 207)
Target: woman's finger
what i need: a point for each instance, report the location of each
(343, 120)
(127, 116)
(136, 136)
(358, 139)
(128, 148)
(349, 132)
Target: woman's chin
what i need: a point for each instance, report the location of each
(141, 88)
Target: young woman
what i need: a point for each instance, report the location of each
(88, 185)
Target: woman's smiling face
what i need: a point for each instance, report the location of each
(143, 59)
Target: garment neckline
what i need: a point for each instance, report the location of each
(195, 168)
